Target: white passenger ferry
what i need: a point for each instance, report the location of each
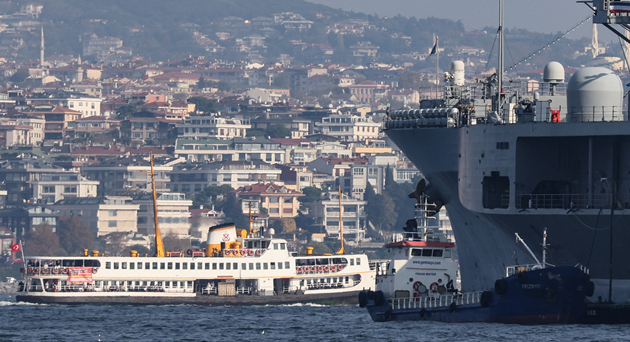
(235, 268)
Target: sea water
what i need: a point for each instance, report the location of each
(43, 322)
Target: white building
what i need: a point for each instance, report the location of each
(230, 150)
(347, 127)
(353, 216)
(103, 215)
(173, 214)
(54, 187)
(197, 177)
(209, 127)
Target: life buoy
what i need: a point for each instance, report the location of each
(250, 252)
(55, 271)
(320, 269)
(299, 269)
(416, 285)
(44, 271)
(326, 268)
(258, 252)
(333, 268)
(306, 269)
(94, 270)
(340, 267)
(433, 287)
(227, 252)
(64, 270)
(243, 252)
(313, 269)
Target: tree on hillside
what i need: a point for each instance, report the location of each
(203, 104)
(41, 241)
(142, 250)
(211, 194)
(380, 209)
(202, 83)
(172, 242)
(75, 235)
(115, 243)
(284, 225)
(311, 194)
(277, 131)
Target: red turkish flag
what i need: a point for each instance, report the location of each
(16, 248)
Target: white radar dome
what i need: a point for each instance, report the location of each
(595, 94)
(457, 70)
(554, 73)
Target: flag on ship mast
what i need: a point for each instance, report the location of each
(435, 47)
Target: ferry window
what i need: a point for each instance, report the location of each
(159, 283)
(137, 283)
(235, 266)
(147, 265)
(181, 284)
(152, 283)
(97, 283)
(287, 265)
(447, 254)
(228, 266)
(416, 252)
(207, 266)
(116, 265)
(89, 263)
(174, 284)
(251, 265)
(347, 280)
(279, 265)
(124, 265)
(257, 265)
(273, 265)
(190, 284)
(108, 265)
(220, 265)
(155, 265)
(282, 246)
(437, 252)
(243, 266)
(265, 266)
(162, 265)
(184, 265)
(129, 283)
(275, 246)
(351, 262)
(192, 265)
(132, 265)
(199, 265)
(139, 265)
(105, 283)
(358, 261)
(176, 265)
(214, 265)
(263, 244)
(167, 284)
(144, 283)
(427, 252)
(169, 265)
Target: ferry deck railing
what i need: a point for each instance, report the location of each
(435, 302)
(562, 201)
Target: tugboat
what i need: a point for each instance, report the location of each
(419, 283)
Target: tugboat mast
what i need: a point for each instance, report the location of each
(159, 244)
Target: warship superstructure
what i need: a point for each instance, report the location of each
(506, 158)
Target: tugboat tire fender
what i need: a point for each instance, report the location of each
(590, 289)
(500, 286)
(363, 297)
(452, 307)
(486, 296)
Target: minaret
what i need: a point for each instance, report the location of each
(41, 50)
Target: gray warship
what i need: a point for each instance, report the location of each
(505, 158)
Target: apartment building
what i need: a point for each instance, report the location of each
(348, 127)
(173, 213)
(103, 215)
(207, 127)
(55, 187)
(196, 177)
(278, 200)
(353, 216)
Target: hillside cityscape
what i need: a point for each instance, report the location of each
(267, 114)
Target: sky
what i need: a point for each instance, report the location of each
(545, 16)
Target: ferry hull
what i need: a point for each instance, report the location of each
(345, 298)
(545, 296)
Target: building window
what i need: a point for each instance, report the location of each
(113, 213)
(112, 224)
(70, 190)
(274, 200)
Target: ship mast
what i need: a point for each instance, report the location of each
(500, 71)
(341, 249)
(159, 245)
